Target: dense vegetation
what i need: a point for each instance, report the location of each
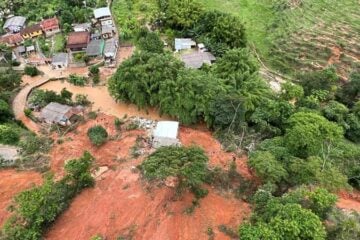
(188, 165)
(306, 134)
(35, 209)
(97, 135)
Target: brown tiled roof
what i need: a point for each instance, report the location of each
(11, 39)
(50, 23)
(31, 29)
(78, 38)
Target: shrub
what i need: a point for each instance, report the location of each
(31, 71)
(82, 99)
(187, 164)
(118, 122)
(9, 135)
(28, 112)
(77, 80)
(94, 70)
(97, 135)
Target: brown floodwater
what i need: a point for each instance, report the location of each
(102, 100)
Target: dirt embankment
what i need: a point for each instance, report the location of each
(122, 204)
(349, 201)
(11, 183)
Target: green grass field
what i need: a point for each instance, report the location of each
(289, 37)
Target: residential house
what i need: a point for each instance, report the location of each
(107, 31)
(95, 48)
(21, 50)
(11, 40)
(14, 24)
(77, 41)
(81, 27)
(197, 59)
(59, 114)
(60, 61)
(110, 50)
(165, 134)
(31, 32)
(103, 15)
(50, 26)
(184, 43)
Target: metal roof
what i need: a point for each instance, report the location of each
(107, 29)
(197, 59)
(15, 21)
(184, 43)
(110, 47)
(102, 12)
(166, 129)
(95, 48)
(55, 112)
(60, 58)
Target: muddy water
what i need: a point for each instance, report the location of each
(102, 100)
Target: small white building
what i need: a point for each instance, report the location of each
(184, 43)
(166, 134)
(103, 15)
(60, 61)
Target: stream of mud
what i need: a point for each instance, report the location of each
(102, 100)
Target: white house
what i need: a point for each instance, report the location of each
(103, 15)
(60, 61)
(14, 24)
(184, 43)
(166, 134)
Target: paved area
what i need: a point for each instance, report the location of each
(8, 153)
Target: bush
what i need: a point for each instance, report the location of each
(9, 135)
(28, 112)
(97, 135)
(187, 164)
(77, 80)
(82, 99)
(31, 71)
(32, 144)
(94, 70)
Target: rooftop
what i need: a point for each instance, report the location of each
(107, 29)
(60, 58)
(31, 29)
(110, 46)
(102, 12)
(197, 59)
(95, 48)
(11, 38)
(50, 23)
(55, 112)
(15, 21)
(166, 129)
(78, 38)
(184, 43)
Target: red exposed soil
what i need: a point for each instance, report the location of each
(349, 201)
(335, 55)
(121, 204)
(11, 183)
(217, 156)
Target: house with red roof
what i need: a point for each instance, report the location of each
(11, 40)
(50, 26)
(77, 41)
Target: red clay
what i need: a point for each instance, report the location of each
(349, 201)
(212, 147)
(122, 204)
(11, 183)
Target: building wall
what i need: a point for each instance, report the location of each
(51, 32)
(161, 142)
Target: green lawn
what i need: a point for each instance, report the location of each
(59, 43)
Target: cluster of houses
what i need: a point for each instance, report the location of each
(100, 43)
(192, 54)
(95, 40)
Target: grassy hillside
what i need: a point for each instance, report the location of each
(290, 35)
